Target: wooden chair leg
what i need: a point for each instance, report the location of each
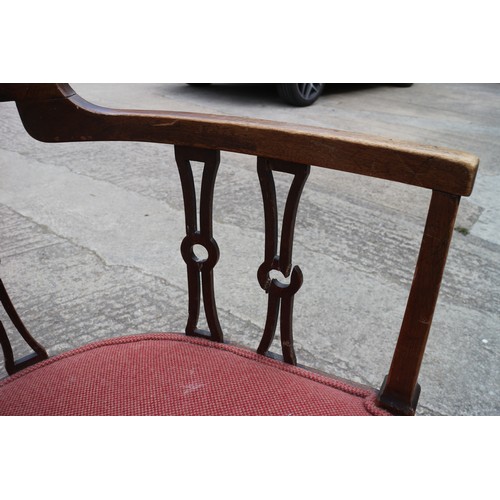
(400, 390)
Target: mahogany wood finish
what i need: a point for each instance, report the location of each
(280, 293)
(400, 390)
(39, 354)
(198, 267)
(55, 113)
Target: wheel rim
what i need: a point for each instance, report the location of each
(309, 90)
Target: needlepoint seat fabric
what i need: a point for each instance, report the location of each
(172, 374)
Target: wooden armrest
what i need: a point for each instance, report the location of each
(55, 113)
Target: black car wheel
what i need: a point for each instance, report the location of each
(300, 94)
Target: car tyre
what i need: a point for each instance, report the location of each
(300, 94)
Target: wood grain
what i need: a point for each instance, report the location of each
(400, 390)
(71, 118)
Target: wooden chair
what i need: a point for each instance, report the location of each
(197, 372)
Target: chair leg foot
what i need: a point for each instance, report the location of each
(396, 403)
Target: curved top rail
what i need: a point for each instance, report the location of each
(55, 113)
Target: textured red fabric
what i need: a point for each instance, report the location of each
(171, 374)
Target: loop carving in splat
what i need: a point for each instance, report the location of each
(280, 293)
(39, 354)
(199, 269)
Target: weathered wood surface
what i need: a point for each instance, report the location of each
(47, 111)
(400, 390)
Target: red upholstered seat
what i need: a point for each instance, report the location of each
(171, 374)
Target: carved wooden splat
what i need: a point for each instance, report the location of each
(38, 354)
(199, 269)
(280, 294)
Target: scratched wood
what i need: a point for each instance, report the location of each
(54, 112)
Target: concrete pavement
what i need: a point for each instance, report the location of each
(90, 235)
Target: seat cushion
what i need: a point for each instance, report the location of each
(171, 374)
